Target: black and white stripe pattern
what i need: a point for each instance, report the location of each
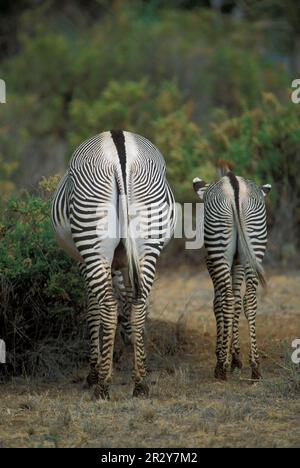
(235, 236)
(125, 171)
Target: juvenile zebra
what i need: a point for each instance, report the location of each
(113, 212)
(235, 237)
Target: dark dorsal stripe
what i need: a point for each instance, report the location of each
(236, 189)
(119, 141)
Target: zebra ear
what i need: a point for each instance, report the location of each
(266, 189)
(200, 186)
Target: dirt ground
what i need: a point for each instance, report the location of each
(187, 407)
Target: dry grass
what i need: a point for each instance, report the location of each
(187, 406)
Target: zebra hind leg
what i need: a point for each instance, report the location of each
(224, 362)
(123, 293)
(93, 320)
(138, 319)
(250, 308)
(237, 280)
(219, 370)
(94, 325)
(220, 374)
(99, 280)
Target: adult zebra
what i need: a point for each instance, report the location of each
(113, 211)
(235, 236)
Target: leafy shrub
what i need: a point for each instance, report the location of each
(41, 292)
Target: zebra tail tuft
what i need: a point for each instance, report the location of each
(133, 263)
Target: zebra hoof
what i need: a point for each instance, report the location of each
(256, 375)
(101, 392)
(141, 390)
(236, 363)
(220, 372)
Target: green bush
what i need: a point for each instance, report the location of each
(41, 293)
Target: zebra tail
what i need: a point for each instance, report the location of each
(247, 250)
(130, 242)
(133, 263)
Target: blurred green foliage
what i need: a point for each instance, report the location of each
(200, 84)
